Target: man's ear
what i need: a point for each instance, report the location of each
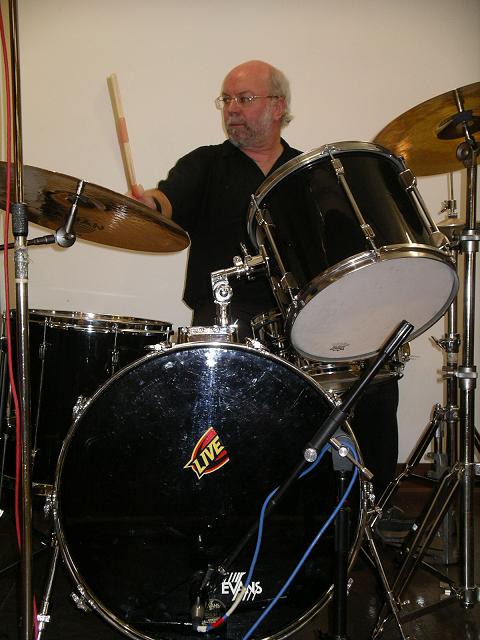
(279, 108)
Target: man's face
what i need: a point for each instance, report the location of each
(251, 125)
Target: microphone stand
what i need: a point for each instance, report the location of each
(328, 428)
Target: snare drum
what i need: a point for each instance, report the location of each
(334, 377)
(344, 287)
(163, 473)
(71, 355)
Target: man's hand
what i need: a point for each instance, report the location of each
(153, 198)
(138, 193)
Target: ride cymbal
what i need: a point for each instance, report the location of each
(102, 216)
(427, 136)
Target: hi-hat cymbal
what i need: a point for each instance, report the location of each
(428, 135)
(102, 216)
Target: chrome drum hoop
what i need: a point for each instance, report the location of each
(101, 323)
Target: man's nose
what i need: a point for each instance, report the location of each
(232, 106)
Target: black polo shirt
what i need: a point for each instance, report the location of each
(210, 190)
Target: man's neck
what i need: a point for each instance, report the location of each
(265, 157)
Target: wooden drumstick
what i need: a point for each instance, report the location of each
(122, 131)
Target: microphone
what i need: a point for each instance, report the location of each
(197, 612)
(199, 596)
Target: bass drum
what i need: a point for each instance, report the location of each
(166, 469)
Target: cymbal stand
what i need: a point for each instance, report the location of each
(421, 535)
(460, 478)
(20, 232)
(66, 237)
(467, 152)
(446, 451)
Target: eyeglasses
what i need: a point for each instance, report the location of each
(242, 101)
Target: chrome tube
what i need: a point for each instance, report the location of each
(467, 375)
(20, 231)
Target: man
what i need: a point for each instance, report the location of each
(208, 192)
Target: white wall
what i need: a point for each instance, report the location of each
(354, 66)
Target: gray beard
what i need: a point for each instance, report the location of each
(236, 143)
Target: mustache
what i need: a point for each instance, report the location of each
(233, 121)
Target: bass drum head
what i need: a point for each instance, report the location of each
(167, 468)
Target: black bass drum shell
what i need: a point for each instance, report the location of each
(166, 469)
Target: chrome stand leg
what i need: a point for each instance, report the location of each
(415, 548)
(386, 585)
(43, 617)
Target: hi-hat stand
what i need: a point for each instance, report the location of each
(458, 480)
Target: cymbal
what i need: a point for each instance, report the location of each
(428, 135)
(102, 216)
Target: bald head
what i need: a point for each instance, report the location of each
(251, 69)
(268, 78)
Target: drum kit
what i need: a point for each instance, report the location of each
(155, 465)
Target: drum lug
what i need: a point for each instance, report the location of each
(368, 231)
(49, 503)
(369, 499)
(285, 290)
(288, 283)
(80, 600)
(409, 181)
(256, 344)
(158, 347)
(115, 358)
(79, 406)
(349, 585)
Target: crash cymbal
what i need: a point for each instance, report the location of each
(102, 216)
(428, 135)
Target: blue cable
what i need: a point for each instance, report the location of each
(261, 525)
(311, 546)
(262, 515)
